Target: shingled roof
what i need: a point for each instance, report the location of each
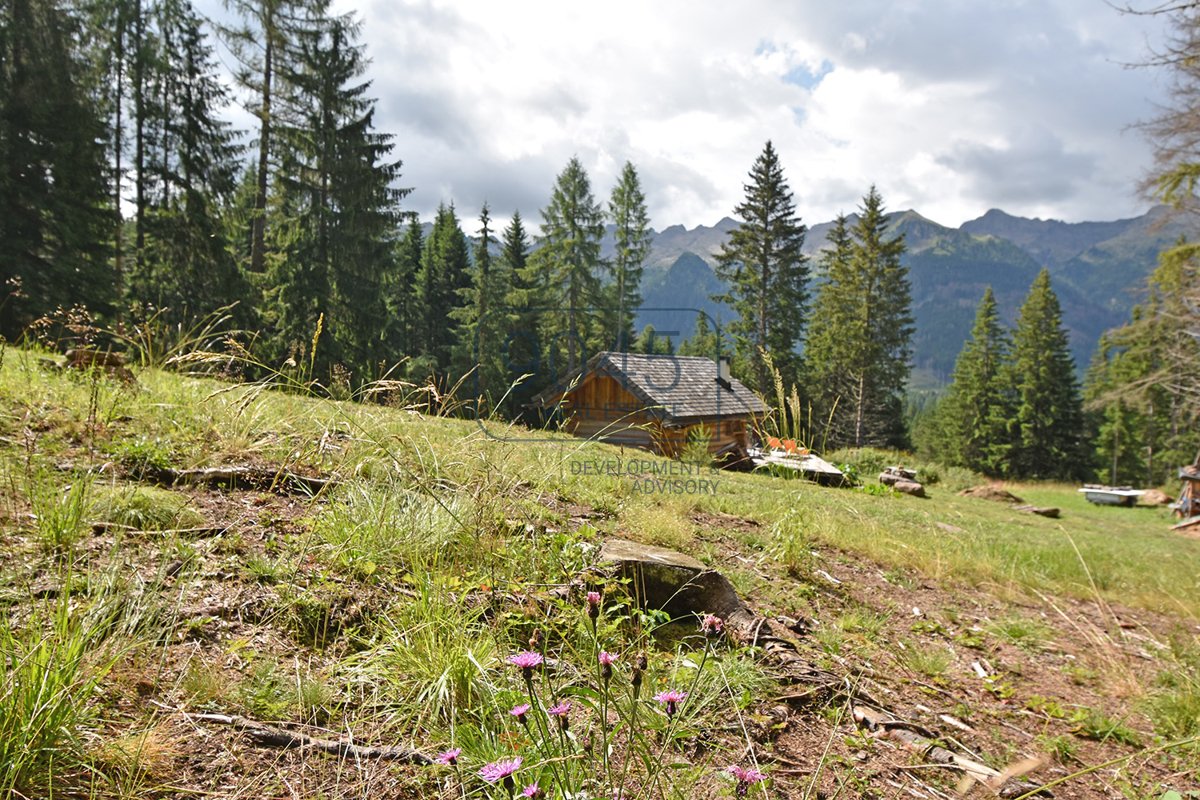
(680, 389)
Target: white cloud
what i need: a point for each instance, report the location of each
(949, 107)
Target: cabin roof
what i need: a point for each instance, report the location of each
(678, 388)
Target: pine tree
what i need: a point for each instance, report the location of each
(400, 292)
(859, 354)
(264, 45)
(1049, 416)
(978, 406)
(627, 210)
(703, 342)
(522, 350)
(569, 258)
(184, 264)
(337, 205)
(440, 281)
(56, 217)
(767, 274)
(482, 320)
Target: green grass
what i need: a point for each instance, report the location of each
(394, 600)
(49, 671)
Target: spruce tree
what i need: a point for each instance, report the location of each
(265, 44)
(858, 353)
(703, 341)
(440, 281)
(1049, 417)
(978, 405)
(400, 292)
(184, 265)
(337, 206)
(521, 350)
(569, 260)
(56, 218)
(631, 223)
(767, 274)
(482, 321)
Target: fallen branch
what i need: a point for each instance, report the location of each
(270, 736)
(1004, 784)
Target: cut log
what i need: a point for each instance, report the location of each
(270, 736)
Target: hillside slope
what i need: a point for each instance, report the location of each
(373, 585)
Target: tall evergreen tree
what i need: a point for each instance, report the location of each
(859, 354)
(55, 212)
(440, 282)
(569, 260)
(703, 342)
(522, 350)
(627, 210)
(978, 406)
(482, 320)
(184, 262)
(767, 274)
(1049, 417)
(264, 45)
(338, 203)
(400, 292)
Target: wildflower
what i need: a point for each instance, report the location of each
(532, 790)
(449, 756)
(712, 625)
(501, 771)
(593, 605)
(527, 661)
(745, 778)
(606, 661)
(520, 711)
(671, 699)
(561, 711)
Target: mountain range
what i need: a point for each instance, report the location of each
(1097, 270)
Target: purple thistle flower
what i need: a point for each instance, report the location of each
(593, 604)
(561, 712)
(527, 661)
(520, 711)
(532, 790)
(712, 625)
(500, 770)
(745, 778)
(449, 756)
(606, 659)
(671, 699)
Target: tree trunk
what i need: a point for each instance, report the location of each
(258, 228)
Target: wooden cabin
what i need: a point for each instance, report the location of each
(657, 402)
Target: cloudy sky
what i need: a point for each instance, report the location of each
(950, 107)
